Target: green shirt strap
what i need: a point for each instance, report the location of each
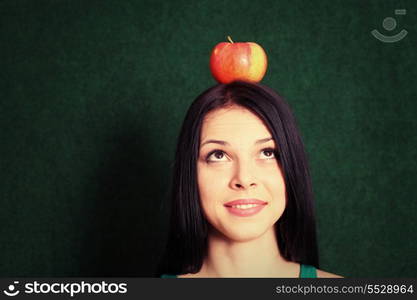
(307, 271)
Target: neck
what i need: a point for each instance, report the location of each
(259, 257)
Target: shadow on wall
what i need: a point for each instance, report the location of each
(124, 232)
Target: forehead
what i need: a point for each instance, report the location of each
(233, 123)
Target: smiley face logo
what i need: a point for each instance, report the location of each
(11, 290)
(390, 24)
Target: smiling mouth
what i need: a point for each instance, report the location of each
(245, 203)
(244, 206)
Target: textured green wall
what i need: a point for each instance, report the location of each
(92, 95)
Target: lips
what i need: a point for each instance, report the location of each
(245, 207)
(245, 202)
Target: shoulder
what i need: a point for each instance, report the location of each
(324, 274)
(189, 275)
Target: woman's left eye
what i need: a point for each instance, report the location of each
(269, 153)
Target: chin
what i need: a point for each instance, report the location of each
(247, 232)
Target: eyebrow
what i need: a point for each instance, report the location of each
(224, 143)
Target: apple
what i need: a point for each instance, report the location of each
(238, 61)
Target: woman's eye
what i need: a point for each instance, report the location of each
(269, 153)
(216, 156)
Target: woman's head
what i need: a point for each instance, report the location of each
(264, 158)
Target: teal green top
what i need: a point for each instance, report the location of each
(306, 271)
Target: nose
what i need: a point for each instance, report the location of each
(243, 177)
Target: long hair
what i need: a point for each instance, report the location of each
(295, 229)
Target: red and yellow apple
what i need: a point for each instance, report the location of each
(238, 61)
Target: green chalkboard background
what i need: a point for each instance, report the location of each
(93, 93)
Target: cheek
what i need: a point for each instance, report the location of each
(211, 188)
(276, 182)
(275, 185)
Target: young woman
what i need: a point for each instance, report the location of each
(242, 202)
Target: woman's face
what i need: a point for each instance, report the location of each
(236, 163)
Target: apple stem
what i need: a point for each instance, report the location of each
(230, 39)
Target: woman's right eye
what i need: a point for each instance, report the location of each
(216, 155)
